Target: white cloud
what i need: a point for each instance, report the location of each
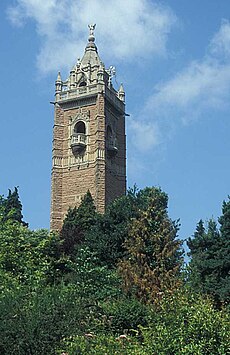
(202, 87)
(145, 134)
(220, 44)
(130, 29)
(203, 84)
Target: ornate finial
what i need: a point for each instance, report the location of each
(91, 32)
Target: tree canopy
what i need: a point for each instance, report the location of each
(153, 257)
(76, 223)
(112, 283)
(12, 207)
(210, 261)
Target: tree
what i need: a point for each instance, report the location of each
(106, 238)
(224, 220)
(209, 250)
(12, 207)
(153, 255)
(86, 212)
(188, 324)
(28, 256)
(224, 252)
(2, 201)
(202, 249)
(76, 223)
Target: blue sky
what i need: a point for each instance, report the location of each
(173, 57)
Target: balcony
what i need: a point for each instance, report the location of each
(78, 142)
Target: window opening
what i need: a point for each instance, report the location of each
(80, 127)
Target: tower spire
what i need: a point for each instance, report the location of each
(91, 55)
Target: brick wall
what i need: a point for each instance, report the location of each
(93, 170)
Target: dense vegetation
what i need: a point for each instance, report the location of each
(113, 283)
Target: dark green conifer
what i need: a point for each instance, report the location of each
(86, 212)
(209, 268)
(224, 252)
(153, 252)
(76, 223)
(224, 220)
(106, 238)
(13, 207)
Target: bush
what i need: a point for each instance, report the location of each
(34, 322)
(124, 315)
(187, 324)
(102, 344)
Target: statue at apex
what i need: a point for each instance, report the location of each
(91, 29)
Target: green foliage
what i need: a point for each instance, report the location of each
(124, 315)
(224, 220)
(71, 233)
(187, 324)
(12, 207)
(35, 322)
(153, 260)
(210, 265)
(224, 252)
(86, 212)
(63, 293)
(107, 237)
(77, 222)
(181, 324)
(101, 344)
(28, 256)
(93, 281)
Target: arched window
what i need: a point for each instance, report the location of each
(79, 127)
(109, 134)
(82, 83)
(111, 142)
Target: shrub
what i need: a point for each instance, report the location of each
(124, 315)
(187, 324)
(34, 322)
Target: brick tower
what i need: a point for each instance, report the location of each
(89, 144)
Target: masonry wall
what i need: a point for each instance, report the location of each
(115, 177)
(73, 176)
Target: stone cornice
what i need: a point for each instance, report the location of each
(78, 102)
